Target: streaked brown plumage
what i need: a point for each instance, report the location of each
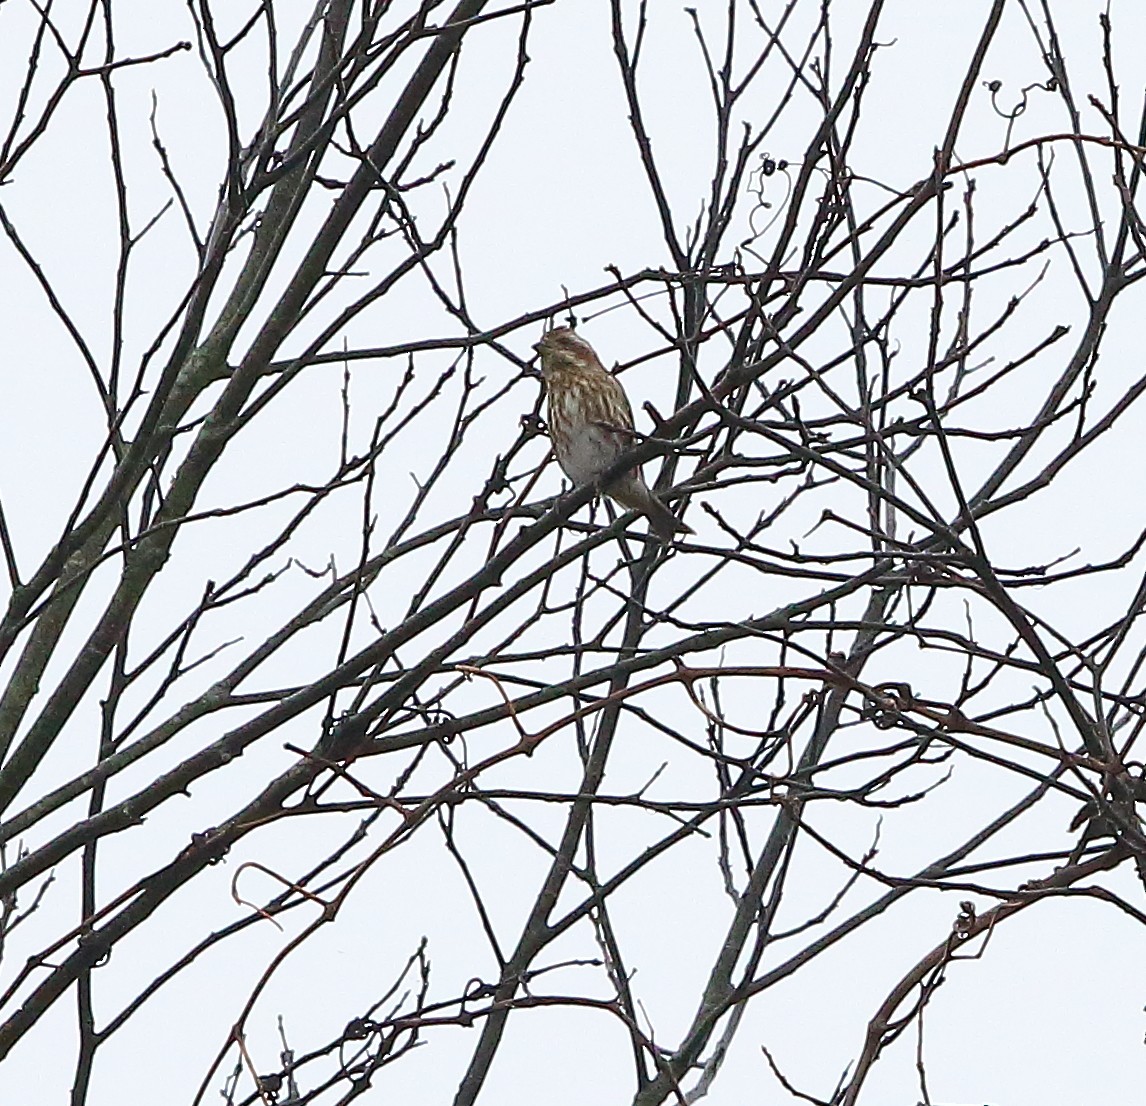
(589, 416)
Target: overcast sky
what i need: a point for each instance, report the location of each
(561, 198)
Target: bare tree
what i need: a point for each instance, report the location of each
(880, 383)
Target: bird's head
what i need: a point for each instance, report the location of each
(561, 348)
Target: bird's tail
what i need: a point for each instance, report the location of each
(663, 522)
(635, 493)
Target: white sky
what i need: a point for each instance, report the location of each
(561, 198)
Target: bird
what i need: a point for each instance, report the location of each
(591, 425)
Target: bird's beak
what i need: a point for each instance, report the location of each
(537, 347)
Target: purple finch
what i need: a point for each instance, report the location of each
(591, 424)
